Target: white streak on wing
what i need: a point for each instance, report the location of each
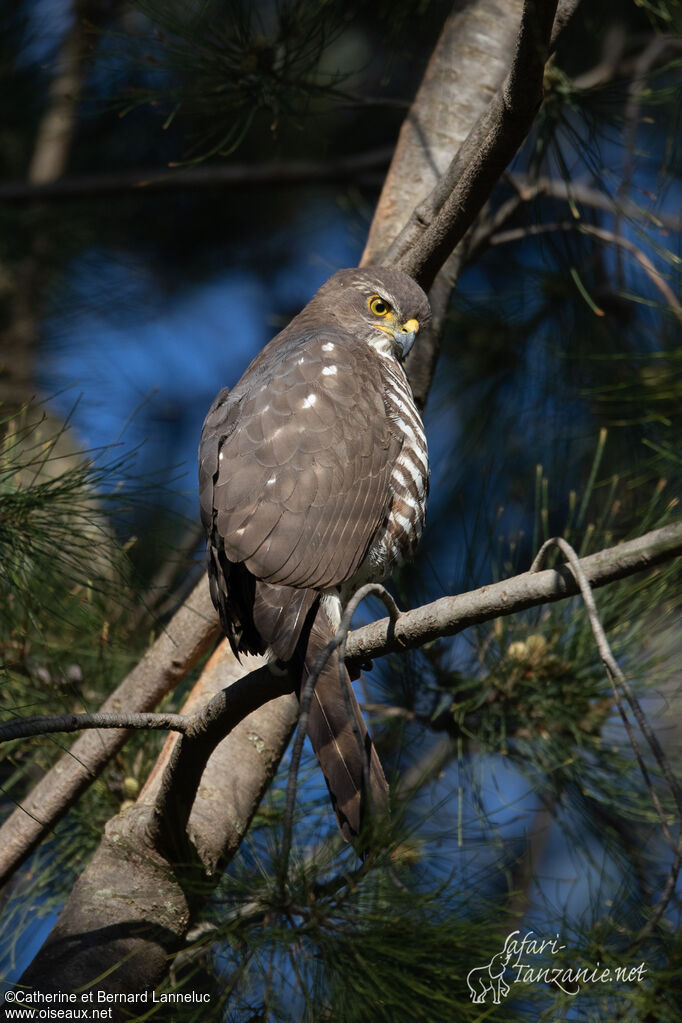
(221, 456)
(328, 347)
(273, 479)
(329, 371)
(309, 401)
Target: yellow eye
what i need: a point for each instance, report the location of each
(378, 307)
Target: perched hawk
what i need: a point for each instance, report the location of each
(313, 476)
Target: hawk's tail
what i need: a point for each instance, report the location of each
(296, 628)
(349, 761)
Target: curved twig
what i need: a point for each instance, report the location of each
(617, 679)
(369, 590)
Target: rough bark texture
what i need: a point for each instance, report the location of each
(439, 223)
(126, 913)
(467, 67)
(468, 64)
(239, 770)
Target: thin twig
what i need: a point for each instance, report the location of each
(43, 724)
(582, 194)
(654, 275)
(617, 679)
(185, 639)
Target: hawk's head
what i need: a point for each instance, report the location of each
(380, 305)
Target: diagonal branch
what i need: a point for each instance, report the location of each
(400, 631)
(450, 615)
(609, 237)
(440, 222)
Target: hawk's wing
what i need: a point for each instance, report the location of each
(295, 462)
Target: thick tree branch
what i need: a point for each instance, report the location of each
(205, 729)
(153, 872)
(467, 67)
(441, 221)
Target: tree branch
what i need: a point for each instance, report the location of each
(43, 724)
(609, 237)
(584, 195)
(450, 615)
(467, 67)
(400, 631)
(440, 222)
(152, 180)
(203, 731)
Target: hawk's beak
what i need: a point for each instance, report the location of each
(405, 337)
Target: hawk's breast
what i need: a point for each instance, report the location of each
(397, 538)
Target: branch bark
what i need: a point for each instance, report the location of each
(466, 69)
(450, 615)
(440, 222)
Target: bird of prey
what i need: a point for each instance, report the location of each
(313, 478)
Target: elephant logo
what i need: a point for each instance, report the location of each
(489, 979)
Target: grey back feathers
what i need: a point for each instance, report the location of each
(313, 477)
